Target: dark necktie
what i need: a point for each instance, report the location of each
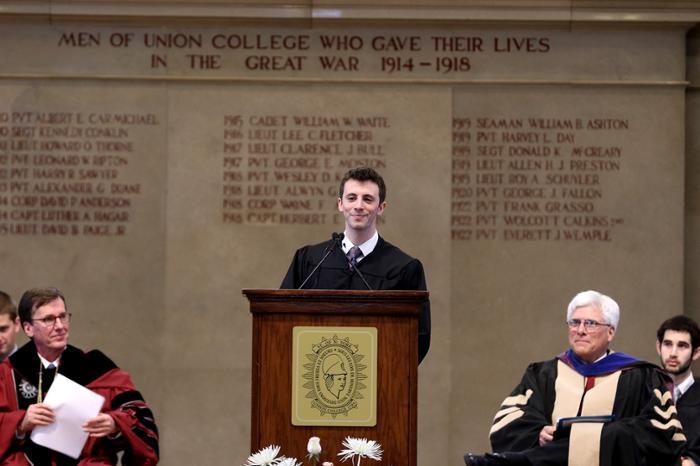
(48, 376)
(353, 255)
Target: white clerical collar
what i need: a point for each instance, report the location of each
(366, 247)
(683, 387)
(46, 363)
(603, 356)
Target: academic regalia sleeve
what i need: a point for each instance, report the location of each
(10, 417)
(424, 332)
(655, 432)
(692, 450)
(415, 279)
(138, 436)
(689, 414)
(305, 260)
(523, 414)
(295, 272)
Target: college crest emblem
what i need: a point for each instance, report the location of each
(334, 376)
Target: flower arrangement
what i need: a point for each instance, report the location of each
(355, 450)
(266, 457)
(360, 448)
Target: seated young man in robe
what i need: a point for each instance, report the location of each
(678, 345)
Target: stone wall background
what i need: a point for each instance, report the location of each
(191, 158)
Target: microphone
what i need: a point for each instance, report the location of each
(337, 238)
(359, 274)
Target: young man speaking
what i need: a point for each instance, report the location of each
(367, 261)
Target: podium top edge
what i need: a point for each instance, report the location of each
(338, 295)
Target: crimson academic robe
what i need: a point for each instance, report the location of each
(385, 268)
(19, 376)
(645, 431)
(688, 407)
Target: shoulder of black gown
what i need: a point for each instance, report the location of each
(389, 261)
(640, 378)
(314, 252)
(25, 361)
(304, 260)
(650, 370)
(692, 396)
(83, 367)
(388, 250)
(75, 364)
(540, 369)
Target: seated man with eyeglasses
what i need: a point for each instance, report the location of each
(588, 406)
(125, 423)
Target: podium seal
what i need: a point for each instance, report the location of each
(334, 376)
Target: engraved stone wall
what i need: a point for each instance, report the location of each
(151, 172)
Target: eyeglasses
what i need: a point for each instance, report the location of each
(589, 324)
(50, 321)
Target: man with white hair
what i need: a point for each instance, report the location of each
(588, 406)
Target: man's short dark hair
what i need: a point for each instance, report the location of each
(680, 323)
(364, 174)
(7, 306)
(35, 298)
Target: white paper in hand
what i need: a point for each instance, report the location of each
(73, 404)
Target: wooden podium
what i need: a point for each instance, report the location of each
(395, 316)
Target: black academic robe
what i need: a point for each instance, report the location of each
(385, 268)
(645, 430)
(688, 407)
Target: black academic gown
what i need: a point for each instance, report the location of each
(688, 407)
(640, 434)
(385, 268)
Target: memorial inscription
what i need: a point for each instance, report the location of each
(533, 179)
(331, 54)
(62, 172)
(285, 168)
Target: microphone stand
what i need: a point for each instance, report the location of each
(359, 274)
(337, 238)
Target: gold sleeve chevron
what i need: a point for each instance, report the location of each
(663, 397)
(511, 409)
(666, 414)
(668, 425)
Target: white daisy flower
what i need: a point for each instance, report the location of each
(288, 462)
(265, 457)
(362, 448)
